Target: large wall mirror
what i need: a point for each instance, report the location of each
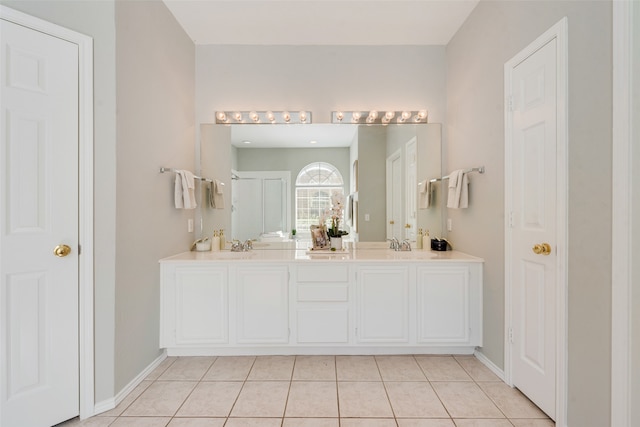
(277, 178)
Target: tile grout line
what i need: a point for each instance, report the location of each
(434, 390)
(386, 392)
(244, 382)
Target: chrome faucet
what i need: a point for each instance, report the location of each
(237, 246)
(405, 245)
(395, 244)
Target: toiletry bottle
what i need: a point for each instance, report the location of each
(215, 242)
(222, 242)
(426, 240)
(419, 239)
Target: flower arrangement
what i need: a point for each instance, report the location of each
(334, 214)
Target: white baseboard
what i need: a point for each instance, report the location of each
(108, 404)
(489, 364)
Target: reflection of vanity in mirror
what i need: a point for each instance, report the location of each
(379, 170)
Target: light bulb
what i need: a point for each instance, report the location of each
(286, 116)
(422, 114)
(389, 115)
(355, 116)
(303, 116)
(221, 116)
(254, 116)
(373, 114)
(405, 115)
(238, 116)
(339, 115)
(270, 116)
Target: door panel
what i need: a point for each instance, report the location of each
(533, 222)
(39, 207)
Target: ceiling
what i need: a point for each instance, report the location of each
(321, 22)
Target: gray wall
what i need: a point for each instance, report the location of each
(635, 224)
(494, 32)
(96, 19)
(372, 201)
(156, 115)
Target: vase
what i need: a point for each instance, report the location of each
(336, 243)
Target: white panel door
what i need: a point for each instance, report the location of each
(394, 196)
(383, 304)
(534, 223)
(411, 190)
(262, 305)
(39, 207)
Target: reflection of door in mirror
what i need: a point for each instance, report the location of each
(260, 205)
(410, 188)
(394, 195)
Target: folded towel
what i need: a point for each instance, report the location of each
(184, 190)
(424, 194)
(216, 194)
(210, 191)
(458, 196)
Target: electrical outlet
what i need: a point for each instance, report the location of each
(190, 225)
(367, 217)
(449, 224)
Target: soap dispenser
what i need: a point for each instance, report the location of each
(222, 239)
(426, 240)
(215, 242)
(419, 244)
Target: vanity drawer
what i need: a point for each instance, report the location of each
(323, 273)
(323, 292)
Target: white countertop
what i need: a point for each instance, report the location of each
(303, 255)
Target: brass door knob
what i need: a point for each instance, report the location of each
(542, 248)
(392, 222)
(407, 226)
(61, 251)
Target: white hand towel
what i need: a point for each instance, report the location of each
(177, 192)
(188, 189)
(458, 196)
(424, 194)
(218, 196)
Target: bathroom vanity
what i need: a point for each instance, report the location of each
(287, 301)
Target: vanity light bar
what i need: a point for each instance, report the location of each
(379, 117)
(263, 117)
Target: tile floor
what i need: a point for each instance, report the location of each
(322, 391)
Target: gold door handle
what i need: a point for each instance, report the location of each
(61, 251)
(407, 226)
(542, 248)
(392, 222)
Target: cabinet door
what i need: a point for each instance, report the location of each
(201, 304)
(262, 305)
(383, 304)
(443, 305)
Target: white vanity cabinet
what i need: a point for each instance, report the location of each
(447, 308)
(194, 305)
(286, 302)
(262, 304)
(322, 304)
(382, 304)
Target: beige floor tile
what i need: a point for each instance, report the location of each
(442, 368)
(423, 422)
(253, 422)
(363, 399)
(230, 368)
(261, 399)
(466, 400)
(211, 399)
(399, 368)
(272, 368)
(128, 400)
(511, 401)
(197, 422)
(414, 399)
(482, 423)
(159, 370)
(311, 422)
(89, 422)
(476, 369)
(532, 423)
(187, 369)
(367, 422)
(315, 368)
(312, 399)
(141, 422)
(162, 398)
(357, 368)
